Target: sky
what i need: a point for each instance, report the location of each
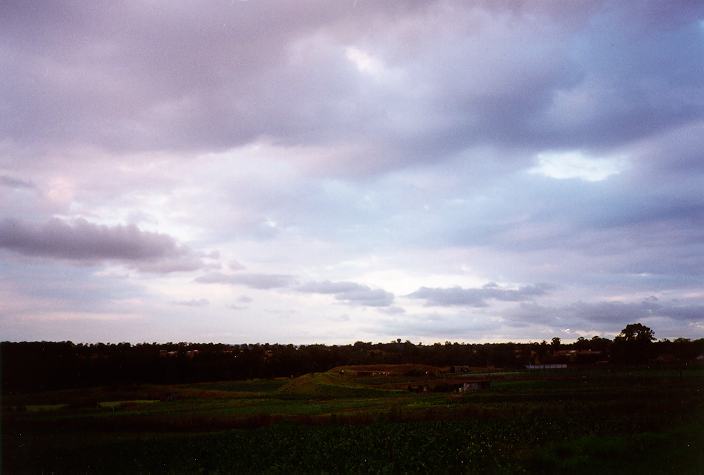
(335, 171)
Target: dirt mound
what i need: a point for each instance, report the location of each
(390, 369)
(328, 385)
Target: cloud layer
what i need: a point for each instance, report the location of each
(351, 293)
(362, 168)
(478, 297)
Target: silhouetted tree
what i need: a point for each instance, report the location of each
(633, 344)
(636, 332)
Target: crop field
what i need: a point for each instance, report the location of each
(366, 420)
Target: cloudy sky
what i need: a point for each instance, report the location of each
(340, 170)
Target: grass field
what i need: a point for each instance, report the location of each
(576, 421)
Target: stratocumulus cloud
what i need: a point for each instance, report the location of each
(478, 297)
(608, 314)
(350, 293)
(181, 96)
(252, 280)
(193, 303)
(12, 182)
(80, 240)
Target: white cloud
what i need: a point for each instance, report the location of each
(575, 164)
(364, 62)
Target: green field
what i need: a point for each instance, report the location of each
(565, 421)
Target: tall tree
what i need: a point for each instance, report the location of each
(636, 332)
(634, 344)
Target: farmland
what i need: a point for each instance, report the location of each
(360, 419)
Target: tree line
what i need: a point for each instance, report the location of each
(52, 365)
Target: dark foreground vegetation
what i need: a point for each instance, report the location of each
(592, 416)
(55, 365)
(556, 421)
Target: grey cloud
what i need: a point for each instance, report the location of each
(242, 302)
(677, 152)
(11, 182)
(193, 303)
(236, 265)
(631, 311)
(183, 263)
(394, 310)
(252, 280)
(477, 297)
(80, 240)
(220, 75)
(191, 77)
(347, 292)
(329, 287)
(48, 284)
(644, 221)
(351, 293)
(612, 315)
(367, 297)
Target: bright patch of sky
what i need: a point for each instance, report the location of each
(575, 164)
(364, 62)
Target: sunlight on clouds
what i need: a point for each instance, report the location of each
(61, 191)
(574, 164)
(364, 62)
(403, 282)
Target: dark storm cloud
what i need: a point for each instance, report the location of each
(351, 293)
(83, 241)
(478, 297)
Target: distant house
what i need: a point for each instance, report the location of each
(666, 359)
(580, 357)
(450, 386)
(475, 385)
(459, 369)
(546, 366)
(418, 388)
